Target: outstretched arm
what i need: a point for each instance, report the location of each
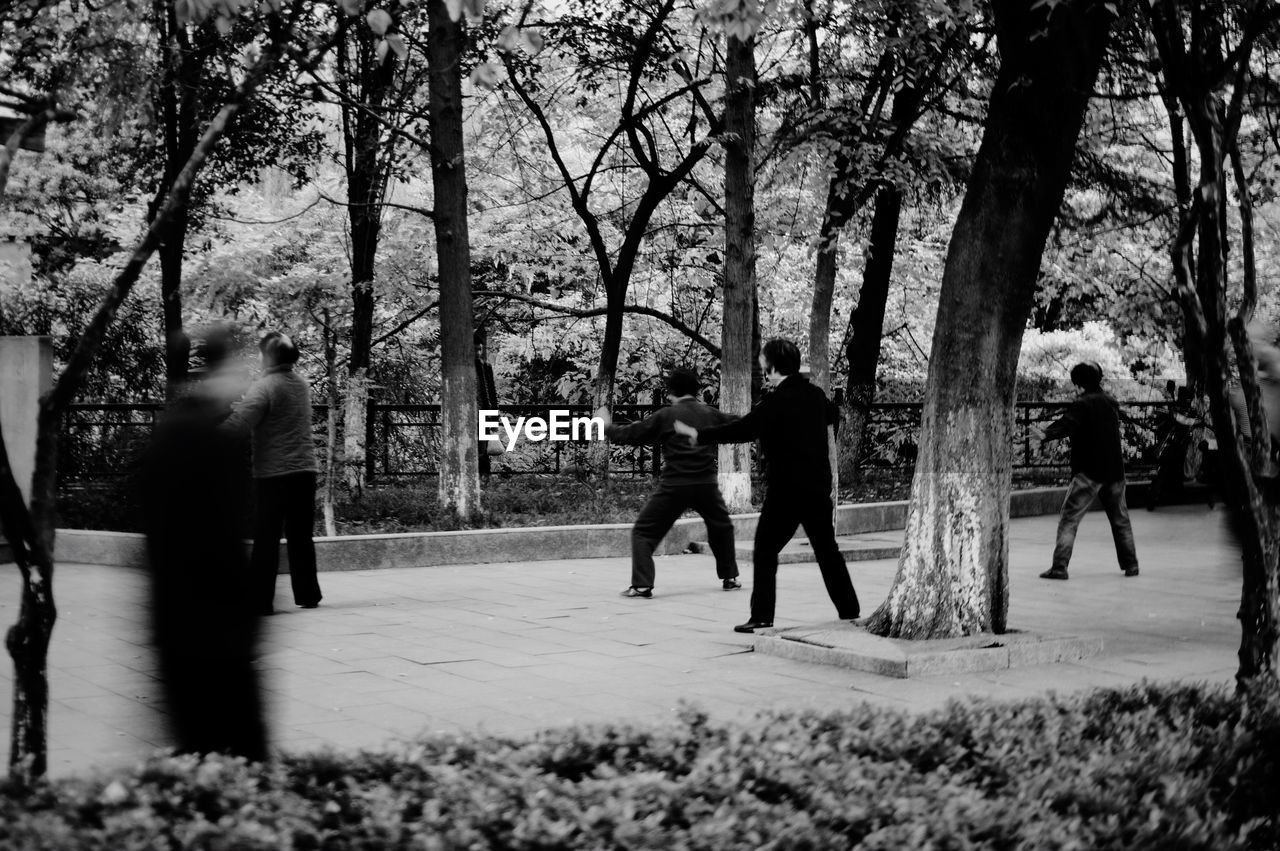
(648, 430)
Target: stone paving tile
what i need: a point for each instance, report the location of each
(515, 648)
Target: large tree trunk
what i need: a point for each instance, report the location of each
(1192, 357)
(736, 358)
(366, 159)
(459, 447)
(952, 576)
(866, 325)
(179, 108)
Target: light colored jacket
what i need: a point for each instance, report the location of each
(277, 410)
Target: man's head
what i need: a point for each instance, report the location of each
(779, 358)
(277, 349)
(681, 381)
(1086, 376)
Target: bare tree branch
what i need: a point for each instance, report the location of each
(583, 313)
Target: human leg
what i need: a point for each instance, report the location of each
(299, 526)
(268, 520)
(778, 522)
(710, 506)
(1080, 494)
(817, 522)
(659, 513)
(1113, 502)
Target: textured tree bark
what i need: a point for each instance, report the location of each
(952, 576)
(866, 325)
(459, 447)
(739, 264)
(367, 166)
(179, 110)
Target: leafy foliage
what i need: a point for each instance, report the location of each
(1146, 767)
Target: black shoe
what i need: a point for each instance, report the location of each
(308, 605)
(633, 591)
(752, 626)
(1131, 571)
(731, 584)
(1054, 573)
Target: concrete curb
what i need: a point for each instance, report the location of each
(849, 645)
(533, 543)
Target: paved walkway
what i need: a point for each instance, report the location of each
(512, 648)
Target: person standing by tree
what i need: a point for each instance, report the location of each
(791, 424)
(1092, 424)
(688, 481)
(277, 411)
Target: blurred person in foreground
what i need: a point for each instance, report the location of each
(204, 621)
(276, 411)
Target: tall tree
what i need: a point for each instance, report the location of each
(459, 458)
(372, 84)
(737, 331)
(1205, 56)
(952, 576)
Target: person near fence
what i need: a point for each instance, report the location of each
(1092, 424)
(791, 425)
(205, 623)
(1181, 450)
(277, 412)
(688, 481)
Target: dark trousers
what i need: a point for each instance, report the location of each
(215, 705)
(1080, 496)
(285, 502)
(781, 515)
(661, 512)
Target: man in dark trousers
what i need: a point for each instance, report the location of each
(688, 481)
(791, 424)
(1092, 423)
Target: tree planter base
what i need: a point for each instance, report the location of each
(848, 645)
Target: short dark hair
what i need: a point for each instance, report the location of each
(278, 348)
(782, 355)
(1087, 375)
(682, 381)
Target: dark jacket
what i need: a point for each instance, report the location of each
(1093, 425)
(682, 464)
(791, 425)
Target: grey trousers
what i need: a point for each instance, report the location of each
(1080, 496)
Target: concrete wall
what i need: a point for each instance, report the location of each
(534, 543)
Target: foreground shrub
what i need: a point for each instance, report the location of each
(1168, 767)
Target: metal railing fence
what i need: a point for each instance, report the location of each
(104, 440)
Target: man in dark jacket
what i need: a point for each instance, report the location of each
(791, 424)
(688, 481)
(1097, 469)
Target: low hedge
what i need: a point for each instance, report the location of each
(1170, 767)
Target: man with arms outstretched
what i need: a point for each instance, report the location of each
(791, 425)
